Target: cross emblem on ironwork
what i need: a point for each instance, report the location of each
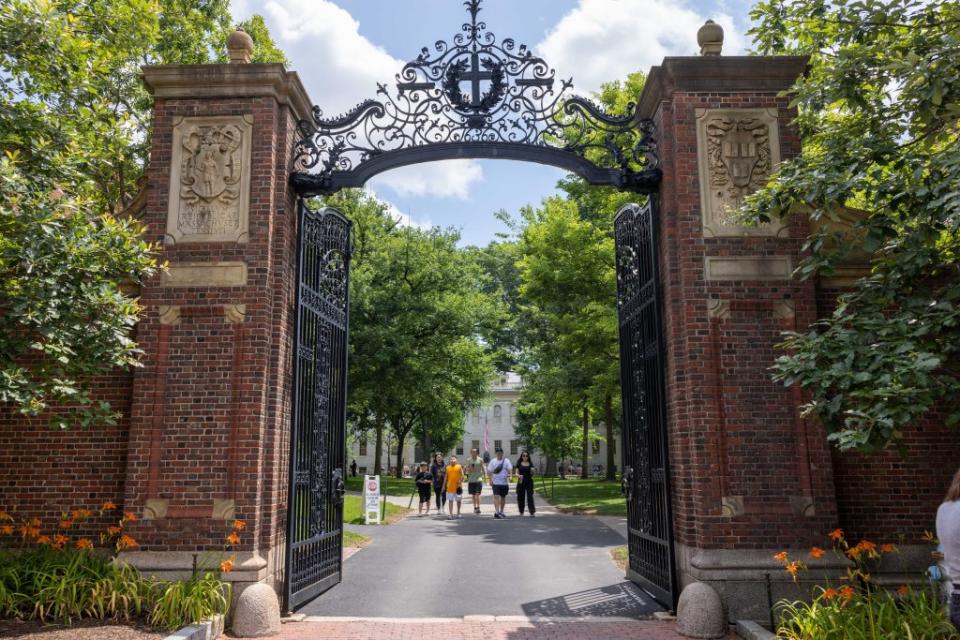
(474, 76)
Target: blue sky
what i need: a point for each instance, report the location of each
(341, 48)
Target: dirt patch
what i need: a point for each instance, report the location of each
(577, 511)
(80, 630)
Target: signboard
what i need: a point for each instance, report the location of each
(371, 499)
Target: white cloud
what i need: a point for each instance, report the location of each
(404, 219)
(603, 40)
(443, 179)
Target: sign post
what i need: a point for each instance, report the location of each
(371, 499)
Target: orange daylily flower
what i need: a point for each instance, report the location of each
(793, 568)
(847, 592)
(66, 523)
(5, 516)
(227, 565)
(129, 516)
(114, 530)
(836, 534)
(830, 594)
(84, 543)
(126, 542)
(233, 538)
(239, 525)
(6, 529)
(43, 540)
(816, 553)
(108, 506)
(80, 514)
(903, 590)
(781, 557)
(59, 541)
(30, 528)
(888, 548)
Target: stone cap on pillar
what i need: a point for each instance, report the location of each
(718, 74)
(201, 81)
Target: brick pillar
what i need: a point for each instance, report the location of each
(209, 419)
(750, 476)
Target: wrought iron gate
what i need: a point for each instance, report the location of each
(646, 478)
(317, 447)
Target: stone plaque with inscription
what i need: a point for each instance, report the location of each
(210, 180)
(738, 149)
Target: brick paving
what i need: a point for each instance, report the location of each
(459, 629)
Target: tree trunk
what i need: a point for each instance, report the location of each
(551, 467)
(611, 435)
(378, 456)
(585, 454)
(400, 439)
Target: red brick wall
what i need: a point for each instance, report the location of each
(733, 432)
(44, 471)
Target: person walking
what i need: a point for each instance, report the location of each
(438, 470)
(948, 531)
(476, 474)
(500, 470)
(525, 483)
(454, 486)
(353, 469)
(424, 481)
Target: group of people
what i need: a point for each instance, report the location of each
(442, 481)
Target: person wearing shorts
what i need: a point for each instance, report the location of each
(454, 479)
(499, 470)
(476, 473)
(424, 481)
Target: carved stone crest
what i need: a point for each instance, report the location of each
(738, 149)
(210, 180)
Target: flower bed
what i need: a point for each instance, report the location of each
(855, 608)
(59, 578)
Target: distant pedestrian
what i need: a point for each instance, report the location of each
(353, 468)
(438, 471)
(948, 531)
(476, 474)
(500, 470)
(525, 483)
(454, 486)
(424, 482)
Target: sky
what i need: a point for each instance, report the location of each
(342, 48)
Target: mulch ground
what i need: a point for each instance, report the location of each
(80, 630)
(373, 629)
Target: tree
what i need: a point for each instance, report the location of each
(74, 132)
(416, 364)
(878, 113)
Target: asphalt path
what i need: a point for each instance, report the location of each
(554, 565)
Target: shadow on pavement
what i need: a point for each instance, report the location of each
(623, 600)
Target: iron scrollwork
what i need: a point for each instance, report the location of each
(522, 112)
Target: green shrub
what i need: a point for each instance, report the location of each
(192, 600)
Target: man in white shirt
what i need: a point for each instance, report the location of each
(499, 471)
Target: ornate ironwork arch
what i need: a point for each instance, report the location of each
(514, 109)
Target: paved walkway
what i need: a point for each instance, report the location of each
(552, 566)
(472, 629)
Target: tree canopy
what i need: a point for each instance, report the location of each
(878, 114)
(74, 133)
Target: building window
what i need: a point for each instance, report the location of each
(497, 444)
(460, 450)
(514, 446)
(497, 413)
(363, 471)
(475, 444)
(596, 447)
(363, 444)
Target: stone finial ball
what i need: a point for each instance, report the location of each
(710, 38)
(239, 46)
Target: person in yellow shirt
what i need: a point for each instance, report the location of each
(454, 476)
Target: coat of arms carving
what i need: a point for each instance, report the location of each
(209, 191)
(739, 149)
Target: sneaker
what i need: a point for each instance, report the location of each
(497, 516)
(476, 510)
(533, 515)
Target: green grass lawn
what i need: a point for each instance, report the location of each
(394, 486)
(584, 496)
(353, 511)
(351, 539)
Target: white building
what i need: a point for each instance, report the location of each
(487, 427)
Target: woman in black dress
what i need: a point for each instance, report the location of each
(439, 471)
(525, 483)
